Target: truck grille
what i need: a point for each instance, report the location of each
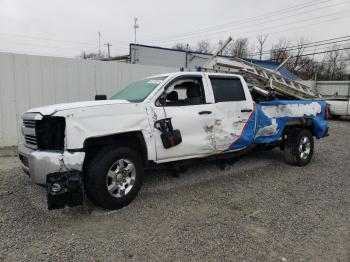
(29, 123)
(29, 133)
(31, 140)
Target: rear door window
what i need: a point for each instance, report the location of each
(227, 89)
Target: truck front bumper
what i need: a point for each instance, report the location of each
(38, 164)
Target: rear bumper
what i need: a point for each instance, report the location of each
(38, 164)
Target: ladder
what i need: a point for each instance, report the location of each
(257, 76)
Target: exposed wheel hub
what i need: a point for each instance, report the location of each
(121, 178)
(304, 147)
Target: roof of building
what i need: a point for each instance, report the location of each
(273, 65)
(263, 63)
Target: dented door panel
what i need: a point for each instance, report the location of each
(234, 123)
(234, 129)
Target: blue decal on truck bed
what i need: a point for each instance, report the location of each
(268, 120)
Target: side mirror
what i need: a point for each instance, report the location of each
(100, 97)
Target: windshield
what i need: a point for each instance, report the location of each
(138, 91)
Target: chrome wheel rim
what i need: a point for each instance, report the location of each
(121, 178)
(304, 147)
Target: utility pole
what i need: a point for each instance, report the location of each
(109, 53)
(136, 26)
(99, 44)
(187, 53)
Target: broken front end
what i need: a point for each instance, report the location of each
(44, 158)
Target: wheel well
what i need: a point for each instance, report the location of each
(299, 123)
(134, 140)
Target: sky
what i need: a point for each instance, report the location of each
(66, 28)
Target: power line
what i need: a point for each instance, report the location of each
(314, 52)
(48, 39)
(323, 52)
(326, 40)
(255, 31)
(246, 20)
(297, 47)
(45, 46)
(327, 62)
(38, 45)
(308, 25)
(293, 15)
(235, 27)
(51, 39)
(293, 28)
(328, 51)
(34, 53)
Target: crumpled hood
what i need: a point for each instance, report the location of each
(51, 109)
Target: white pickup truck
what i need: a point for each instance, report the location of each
(103, 147)
(339, 107)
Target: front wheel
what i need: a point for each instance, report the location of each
(299, 147)
(114, 177)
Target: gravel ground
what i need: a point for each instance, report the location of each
(257, 209)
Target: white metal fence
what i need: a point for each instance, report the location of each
(29, 81)
(334, 88)
(339, 89)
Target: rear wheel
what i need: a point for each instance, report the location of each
(299, 147)
(114, 177)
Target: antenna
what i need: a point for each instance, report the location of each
(99, 44)
(136, 26)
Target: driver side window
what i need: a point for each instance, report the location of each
(185, 92)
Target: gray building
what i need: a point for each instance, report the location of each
(187, 60)
(152, 55)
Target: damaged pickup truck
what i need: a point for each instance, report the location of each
(102, 147)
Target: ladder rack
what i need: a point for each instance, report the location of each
(261, 77)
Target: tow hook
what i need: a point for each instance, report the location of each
(64, 189)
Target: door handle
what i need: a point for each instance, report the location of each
(204, 113)
(246, 110)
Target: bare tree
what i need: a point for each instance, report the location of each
(308, 68)
(182, 46)
(261, 41)
(279, 51)
(92, 55)
(298, 63)
(204, 46)
(335, 66)
(240, 47)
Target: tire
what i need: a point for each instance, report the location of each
(114, 177)
(299, 147)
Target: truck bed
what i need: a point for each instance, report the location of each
(269, 119)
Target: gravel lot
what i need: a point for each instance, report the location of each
(257, 209)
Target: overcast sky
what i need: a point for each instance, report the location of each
(65, 28)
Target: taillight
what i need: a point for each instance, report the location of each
(327, 112)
